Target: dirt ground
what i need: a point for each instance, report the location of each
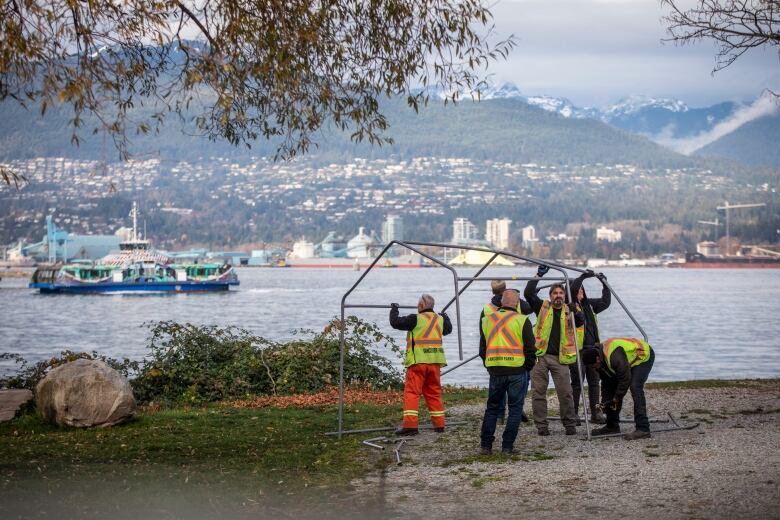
(728, 467)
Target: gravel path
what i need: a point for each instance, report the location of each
(729, 467)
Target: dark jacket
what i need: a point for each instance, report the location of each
(529, 349)
(553, 346)
(591, 307)
(622, 372)
(410, 322)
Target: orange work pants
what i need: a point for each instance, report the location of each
(423, 379)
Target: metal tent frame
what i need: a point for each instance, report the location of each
(414, 246)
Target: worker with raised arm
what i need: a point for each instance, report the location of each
(623, 363)
(508, 351)
(555, 349)
(423, 361)
(588, 337)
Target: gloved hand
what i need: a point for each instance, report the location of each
(614, 405)
(589, 273)
(572, 307)
(394, 306)
(602, 277)
(542, 270)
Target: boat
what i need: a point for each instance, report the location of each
(700, 261)
(135, 268)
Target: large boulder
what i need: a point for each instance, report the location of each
(85, 393)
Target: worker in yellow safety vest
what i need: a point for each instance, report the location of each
(423, 361)
(508, 351)
(556, 348)
(623, 364)
(498, 287)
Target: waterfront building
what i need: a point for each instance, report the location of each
(529, 236)
(609, 235)
(392, 229)
(497, 232)
(464, 232)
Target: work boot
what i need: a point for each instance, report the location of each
(484, 450)
(543, 432)
(406, 431)
(440, 429)
(605, 430)
(571, 430)
(524, 418)
(508, 451)
(636, 434)
(597, 417)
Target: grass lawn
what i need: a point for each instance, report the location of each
(216, 458)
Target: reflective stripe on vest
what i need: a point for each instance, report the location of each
(489, 309)
(503, 331)
(424, 343)
(637, 351)
(581, 329)
(567, 351)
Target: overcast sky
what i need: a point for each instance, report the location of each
(595, 52)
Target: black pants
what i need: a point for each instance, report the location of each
(592, 376)
(639, 375)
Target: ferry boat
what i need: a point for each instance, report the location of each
(135, 268)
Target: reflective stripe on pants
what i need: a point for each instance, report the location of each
(423, 379)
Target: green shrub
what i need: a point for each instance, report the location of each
(192, 364)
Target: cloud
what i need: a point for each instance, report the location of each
(766, 105)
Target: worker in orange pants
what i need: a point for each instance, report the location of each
(423, 361)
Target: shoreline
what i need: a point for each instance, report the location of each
(275, 462)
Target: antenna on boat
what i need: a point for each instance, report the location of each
(134, 214)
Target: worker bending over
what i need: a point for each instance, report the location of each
(507, 349)
(555, 349)
(623, 363)
(423, 362)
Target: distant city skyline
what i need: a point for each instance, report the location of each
(595, 52)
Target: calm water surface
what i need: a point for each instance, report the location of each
(718, 323)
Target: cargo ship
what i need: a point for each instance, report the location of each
(700, 261)
(707, 256)
(135, 268)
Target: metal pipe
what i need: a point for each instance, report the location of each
(341, 334)
(457, 294)
(660, 430)
(375, 306)
(507, 278)
(377, 446)
(390, 428)
(631, 316)
(469, 283)
(472, 358)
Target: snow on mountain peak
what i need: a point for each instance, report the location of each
(635, 103)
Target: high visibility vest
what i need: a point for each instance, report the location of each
(423, 343)
(581, 328)
(567, 351)
(637, 351)
(503, 331)
(490, 309)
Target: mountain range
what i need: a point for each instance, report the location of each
(506, 125)
(746, 132)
